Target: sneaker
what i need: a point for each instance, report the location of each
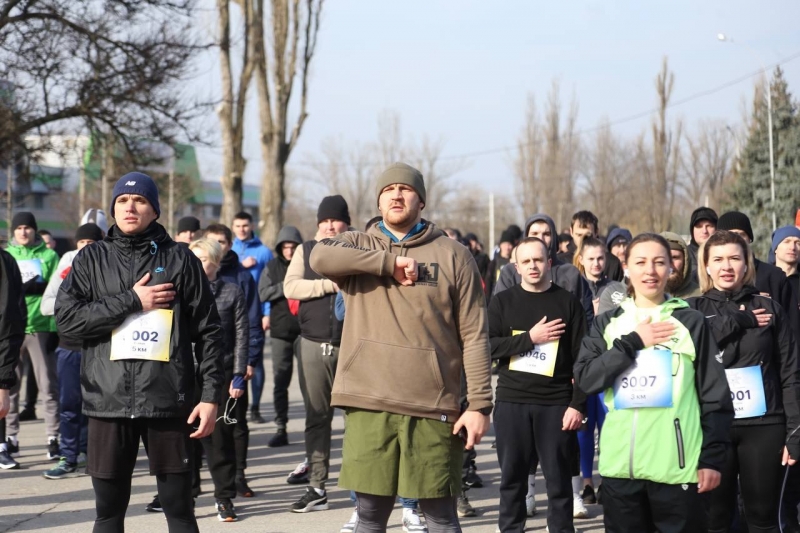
(53, 452)
(279, 439)
(62, 470)
(255, 416)
(588, 495)
(242, 489)
(599, 493)
(464, 508)
(154, 506)
(311, 501)
(411, 522)
(27, 415)
(299, 475)
(225, 511)
(578, 509)
(11, 448)
(7, 462)
(530, 506)
(472, 479)
(351, 524)
(81, 461)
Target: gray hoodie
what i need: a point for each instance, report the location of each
(564, 275)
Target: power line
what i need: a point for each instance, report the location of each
(630, 118)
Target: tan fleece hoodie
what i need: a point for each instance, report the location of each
(403, 348)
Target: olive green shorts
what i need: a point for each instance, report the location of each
(386, 454)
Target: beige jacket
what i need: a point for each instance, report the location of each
(404, 348)
(296, 287)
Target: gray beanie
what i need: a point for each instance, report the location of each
(405, 174)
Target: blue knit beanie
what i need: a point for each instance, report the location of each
(137, 183)
(778, 237)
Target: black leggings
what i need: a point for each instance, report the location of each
(374, 511)
(753, 462)
(174, 491)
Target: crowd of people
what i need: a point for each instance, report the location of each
(675, 362)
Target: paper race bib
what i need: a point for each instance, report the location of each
(747, 391)
(143, 336)
(30, 269)
(540, 360)
(648, 383)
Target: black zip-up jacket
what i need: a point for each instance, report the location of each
(744, 344)
(283, 324)
(96, 298)
(13, 318)
(232, 309)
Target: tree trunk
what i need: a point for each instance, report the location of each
(272, 194)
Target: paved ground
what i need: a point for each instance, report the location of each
(31, 503)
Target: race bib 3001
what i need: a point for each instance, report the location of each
(143, 336)
(648, 383)
(540, 360)
(747, 391)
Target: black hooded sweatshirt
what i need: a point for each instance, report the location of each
(283, 324)
(744, 344)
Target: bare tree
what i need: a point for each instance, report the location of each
(294, 41)
(105, 65)
(232, 107)
(665, 156)
(527, 163)
(605, 169)
(709, 164)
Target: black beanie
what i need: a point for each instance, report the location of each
(188, 224)
(334, 207)
(506, 236)
(24, 218)
(89, 231)
(735, 220)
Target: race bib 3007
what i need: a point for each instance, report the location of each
(647, 383)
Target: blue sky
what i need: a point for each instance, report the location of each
(463, 70)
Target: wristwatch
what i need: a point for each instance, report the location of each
(486, 411)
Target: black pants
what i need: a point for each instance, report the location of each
(753, 463)
(523, 430)
(220, 448)
(113, 495)
(636, 506)
(241, 432)
(283, 353)
(791, 497)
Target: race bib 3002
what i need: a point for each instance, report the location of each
(540, 360)
(143, 336)
(648, 383)
(747, 391)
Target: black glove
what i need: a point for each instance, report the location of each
(34, 286)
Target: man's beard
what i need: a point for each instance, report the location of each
(400, 220)
(675, 282)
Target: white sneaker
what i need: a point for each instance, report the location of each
(351, 524)
(530, 506)
(412, 523)
(578, 509)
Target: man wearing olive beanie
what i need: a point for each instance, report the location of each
(770, 280)
(416, 319)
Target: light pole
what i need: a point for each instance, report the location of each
(724, 38)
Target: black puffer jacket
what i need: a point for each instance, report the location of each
(744, 344)
(96, 298)
(232, 308)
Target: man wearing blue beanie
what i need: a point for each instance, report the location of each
(139, 301)
(785, 254)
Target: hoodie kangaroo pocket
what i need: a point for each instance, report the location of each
(399, 374)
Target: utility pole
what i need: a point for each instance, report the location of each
(491, 222)
(82, 186)
(9, 201)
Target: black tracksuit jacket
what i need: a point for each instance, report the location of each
(96, 298)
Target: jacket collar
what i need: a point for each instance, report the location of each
(149, 240)
(742, 294)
